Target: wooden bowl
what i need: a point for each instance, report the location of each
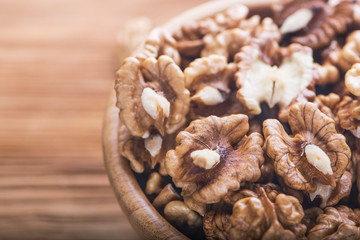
(143, 217)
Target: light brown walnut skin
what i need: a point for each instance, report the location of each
(134, 150)
(349, 113)
(227, 19)
(166, 195)
(349, 54)
(153, 184)
(209, 186)
(308, 125)
(216, 223)
(217, 218)
(253, 190)
(230, 106)
(131, 115)
(327, 104)
(170, 79)
(342, 189)
(338, 222)
(325, 24)
(190, 37)
(229, 42)
(190, 48)
(226, 43)
(211, 71)
(265, 31)
(325, 73)
(180, 215)
(307, 95)
(215, 72)
(257, 217)
(164, 76)
(159, 42)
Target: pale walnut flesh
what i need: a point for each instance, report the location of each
(205, 158)
(338, 222)
(204, 141)
(153, 144)
(167, 78)
(223, 105)
(313, 23)
(275, 85)
(141, 152)
(154, 104)
(315, 158)
(209, 96)
(296, 21)
(151, 94)
(208, 79)
(129, 87)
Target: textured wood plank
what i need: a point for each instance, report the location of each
(57, 64)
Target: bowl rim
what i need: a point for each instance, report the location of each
(143, 217)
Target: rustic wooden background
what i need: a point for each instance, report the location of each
(57, 65)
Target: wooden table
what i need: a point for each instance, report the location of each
(57, 65)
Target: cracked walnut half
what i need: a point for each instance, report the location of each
(315, 158)
(214, 156)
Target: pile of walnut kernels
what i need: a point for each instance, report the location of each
(248, 127)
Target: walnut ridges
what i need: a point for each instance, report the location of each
(213, 156)
(159, 42)
(208, 79)
(315, 158)
(260, 218)
(248, 127)
(313, 23)
(349, 115)
(254, 212)
(151, 93)
(337, 223)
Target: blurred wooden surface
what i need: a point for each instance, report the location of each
(57, 65)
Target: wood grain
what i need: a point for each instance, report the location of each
(57, 66)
